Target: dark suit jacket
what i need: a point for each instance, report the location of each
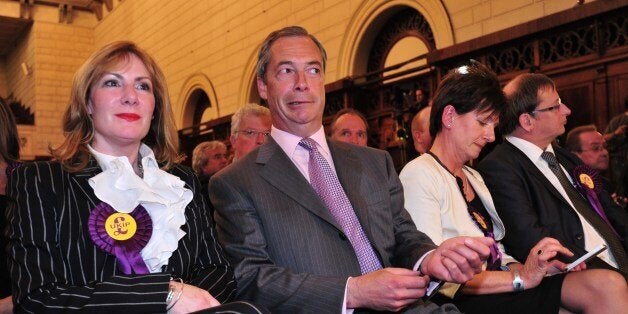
(289, 253)
(56, 267)
(532, 208)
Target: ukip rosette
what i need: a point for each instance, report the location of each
(589, 184)
(123, 235)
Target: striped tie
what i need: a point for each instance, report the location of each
(581, 205)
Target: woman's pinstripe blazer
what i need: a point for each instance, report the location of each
(55, 266)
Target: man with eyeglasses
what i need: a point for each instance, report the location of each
(250, 127)
(589, 145)
(538, 189)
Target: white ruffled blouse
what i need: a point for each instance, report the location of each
(162, 194)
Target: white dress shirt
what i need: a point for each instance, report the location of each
(592, 238)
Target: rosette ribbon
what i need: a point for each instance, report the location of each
(122, 235)
(589, 183)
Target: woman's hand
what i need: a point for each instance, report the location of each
(541, 261)
(193, 299)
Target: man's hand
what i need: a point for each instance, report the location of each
(6, 305)
(457, 259)
(193, 299)
(388, 289)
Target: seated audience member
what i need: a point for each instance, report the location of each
(350, 126)
(113, 224)
(250, 127)
(421, 130)
(318, 226)
(540, 190)
(207, 159)
(616, 136)
(589, 145)
(447, 199)
(9, 156)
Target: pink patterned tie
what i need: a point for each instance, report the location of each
(326, 184)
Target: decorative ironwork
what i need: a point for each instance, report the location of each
(514, 58)
(405, 21)
(569, 44)
(615, 34)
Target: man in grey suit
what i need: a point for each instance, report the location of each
(287, 243)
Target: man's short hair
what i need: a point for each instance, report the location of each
(345, 111)
(522, 92)
(573, 143)
(291, 31)
(199, 158)
(247, 110)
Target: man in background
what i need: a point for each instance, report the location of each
(589, 145)
(207, 159)
(350, 126)
(420, 127)
(250, 127)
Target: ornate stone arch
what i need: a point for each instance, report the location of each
(196, 86)
(371, 17)
(248, 85)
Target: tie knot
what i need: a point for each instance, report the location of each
(308, 144)
(550, 158)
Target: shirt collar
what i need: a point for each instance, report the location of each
(105, 161)
(531, 150)
(289, 142)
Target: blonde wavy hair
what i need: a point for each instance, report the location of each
(78, 128)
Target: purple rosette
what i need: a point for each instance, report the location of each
(126, 251)
(589, 183)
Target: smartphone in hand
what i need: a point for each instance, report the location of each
(432, 289)
(586, 257)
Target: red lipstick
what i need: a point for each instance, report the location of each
(128, 116)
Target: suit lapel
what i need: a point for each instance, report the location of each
(81, 180)
(280, 172)
(536, 173)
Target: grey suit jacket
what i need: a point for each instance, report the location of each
(289, 253)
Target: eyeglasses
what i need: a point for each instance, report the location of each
(595, 148)
(548, 109)
(253, 133)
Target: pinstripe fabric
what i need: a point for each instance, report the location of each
(289, 253)
(55, 267)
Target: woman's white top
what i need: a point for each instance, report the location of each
(162, 194)
(438, 208)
